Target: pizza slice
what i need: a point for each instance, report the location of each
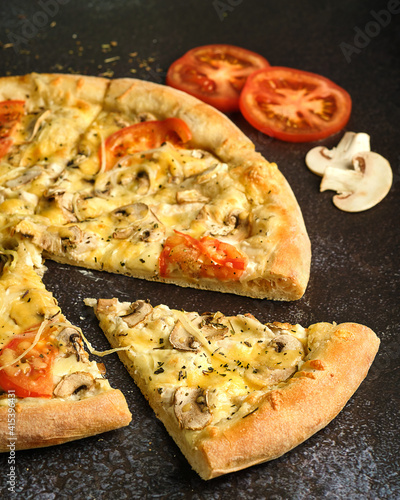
(230, 390)
(166, 188)
(42, 117)
(57, 393)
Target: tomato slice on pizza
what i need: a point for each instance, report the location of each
(11, 113)
(215, 73)
(294, 105)
(26, 365)
(207, 257)
(142, 137)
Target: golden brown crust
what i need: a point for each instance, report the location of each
(293, 412)
(56, 421)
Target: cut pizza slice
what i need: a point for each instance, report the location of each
(231, 391)
(166, 188)
(57, 393)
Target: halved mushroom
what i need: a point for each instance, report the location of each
(191, 408)
(73, 383)
(70, 342)
(320, 158)
(182, 340)
(139, 311)
(28, 176)
(361, 188)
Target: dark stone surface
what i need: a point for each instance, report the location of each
(355, 267)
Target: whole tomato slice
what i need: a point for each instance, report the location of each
(207, 258)
(294, 105)
(32, 375)
(215, 73)
(11, 113)
(144, 136)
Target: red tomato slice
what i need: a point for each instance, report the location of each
(294, 105)
(215, 74)
(11, 113)
(207, 258)
(143, 136)
(32, 375)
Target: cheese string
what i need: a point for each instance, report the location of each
(188, 325)
(103, 154)
(101, 353)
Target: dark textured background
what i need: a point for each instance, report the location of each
(355, 266)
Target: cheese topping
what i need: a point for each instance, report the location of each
(234, 359)
(27, 307)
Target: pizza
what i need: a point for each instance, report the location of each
(136, 178)
(232, 391)
(57, 393)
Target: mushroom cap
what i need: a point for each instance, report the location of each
(361, 188)
(320, 157)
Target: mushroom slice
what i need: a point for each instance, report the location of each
(139, 311)
(131, 213)
(57, 240)
(73, 383)
(29, 175)
(286, 342)
(107, 306)
(143, 223)
(275, 368)
(70, 340)
(361, 188)
(320, 158)
(191, 196)
(212, 328)
(191, 408)
(182, 340)
(235, 223)
(64, 201)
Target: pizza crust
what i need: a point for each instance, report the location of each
(292, 413)
(49, 422)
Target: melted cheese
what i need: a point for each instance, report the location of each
(25, 303)
(226, 366)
